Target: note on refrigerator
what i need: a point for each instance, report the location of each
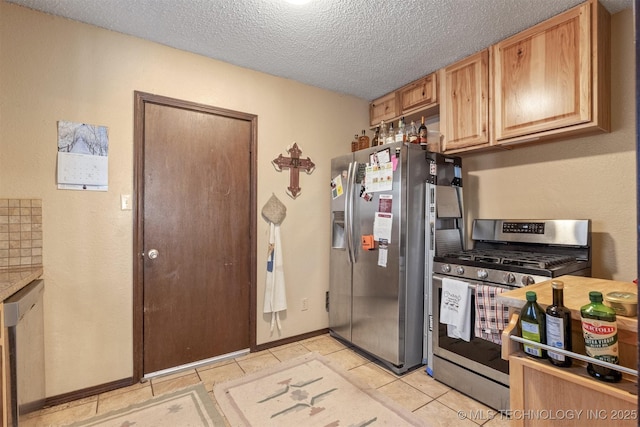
(379, 177)
(336, 187)
(382, 223)
(382, 253)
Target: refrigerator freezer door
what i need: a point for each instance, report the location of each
(339, 260)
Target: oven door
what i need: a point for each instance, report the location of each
(478, 355)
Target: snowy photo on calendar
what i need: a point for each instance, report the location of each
(83, 151)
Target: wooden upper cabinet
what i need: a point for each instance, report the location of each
(554, 77)
(383, 108)
(464, 103)
(418, 97)
(419, 94)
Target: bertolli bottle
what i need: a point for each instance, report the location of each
(600, 331)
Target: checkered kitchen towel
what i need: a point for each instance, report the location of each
(491, 316)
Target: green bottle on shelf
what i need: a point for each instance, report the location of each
(600, 332)
(533, 326)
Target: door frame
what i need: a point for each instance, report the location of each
(140, 99)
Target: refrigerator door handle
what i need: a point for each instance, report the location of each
(352, 184)
(347, 217)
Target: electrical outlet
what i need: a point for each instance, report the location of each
(305, 304)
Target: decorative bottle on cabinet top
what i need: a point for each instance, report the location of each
(400, 135)
(422, 133)
(376, 136)
(412, 133)
(391, 135)
(382, 138)
(355, 143)
(363, 140)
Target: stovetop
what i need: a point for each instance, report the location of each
(495, 258)
(521, 252)
(512, 268)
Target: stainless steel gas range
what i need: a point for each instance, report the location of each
(506, 254)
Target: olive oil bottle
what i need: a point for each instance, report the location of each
(600, 331)
(533, 326)
(558, 326)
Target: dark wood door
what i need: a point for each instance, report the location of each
(196, 234)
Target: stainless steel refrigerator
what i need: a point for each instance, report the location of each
(377, 260)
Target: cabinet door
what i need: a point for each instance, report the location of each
(464, 103)
(597, 403)
(383, 108)
(542, 76)
(419, 93)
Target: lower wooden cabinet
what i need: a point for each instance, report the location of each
(544, 395)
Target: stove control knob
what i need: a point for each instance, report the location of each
(509, 278)
(482, 274)
(446, 268)
(460, 270)
(527, 280)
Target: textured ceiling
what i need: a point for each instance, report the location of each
(364, 48)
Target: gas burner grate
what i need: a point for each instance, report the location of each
(517, 258)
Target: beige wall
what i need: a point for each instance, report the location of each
(591, 177)
(53, 69)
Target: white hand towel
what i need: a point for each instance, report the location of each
(454, 308)
(275, 296)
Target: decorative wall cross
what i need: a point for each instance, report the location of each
(294, 164)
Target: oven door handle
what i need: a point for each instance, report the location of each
(472, 286)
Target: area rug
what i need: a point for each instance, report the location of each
(307, 391)
(191, 406)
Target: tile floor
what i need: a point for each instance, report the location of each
(436, 403)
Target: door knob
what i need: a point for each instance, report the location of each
(153, 254)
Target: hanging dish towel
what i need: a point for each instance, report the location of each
(275, 298)
(455, 308)
(491, 316)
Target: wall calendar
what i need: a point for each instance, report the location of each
(83, 156)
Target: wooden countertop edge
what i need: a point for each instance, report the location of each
(23, 276)
(516, 298)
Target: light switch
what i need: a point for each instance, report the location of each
(125, 202)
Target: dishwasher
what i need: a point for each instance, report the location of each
(24, 322)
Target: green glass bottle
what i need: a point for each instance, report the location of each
(533, 326)
(558, 326)
(600, 332)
